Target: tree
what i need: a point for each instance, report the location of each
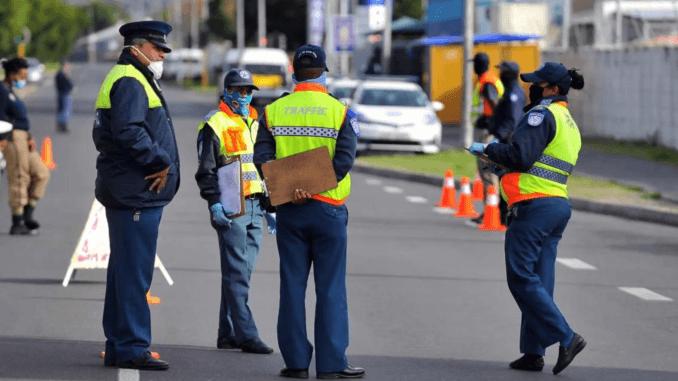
(104, 14)
(218, 23)
(411, 8)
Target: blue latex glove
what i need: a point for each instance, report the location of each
(477, 148)
(495, 140)
(218, 215)
(270, 222)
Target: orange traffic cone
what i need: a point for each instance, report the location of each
(152, 299)
(465, 202)
(491, 219)
(448, 198)
(478, 190)
(46, 154)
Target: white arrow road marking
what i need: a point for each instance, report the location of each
(393, 190)
(128, 374)
(416, 200)
(645, 294)
(443, 210)
(575, 263)
(373, 181)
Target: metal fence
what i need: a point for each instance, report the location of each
(630, 94)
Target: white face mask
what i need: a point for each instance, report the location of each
(155, 67)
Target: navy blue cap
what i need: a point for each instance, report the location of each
(481, 58)
(153, 31)
(317, 55)
(551, 72)
(239, 77)
(509, 67)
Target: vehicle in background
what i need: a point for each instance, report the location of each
(342, 88)
(36, 70)
(396, 116)
(271, 71)
(184, 64)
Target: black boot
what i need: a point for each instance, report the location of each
(28, 218)
(18, 227)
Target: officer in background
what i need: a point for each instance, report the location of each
(137, 175)
(64, 86)
(5, 134)
(232, 130)
(507, 114)
(542, 153)
(26, 173)
(312, 229)
(486, 95)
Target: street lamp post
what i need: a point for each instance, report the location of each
(468, 73)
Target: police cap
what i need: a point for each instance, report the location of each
(554, 73)
(239, 77)
(317, 55)
(153, 31)
(5, 130)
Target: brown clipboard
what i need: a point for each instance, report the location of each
(311, 171)
(228, 199)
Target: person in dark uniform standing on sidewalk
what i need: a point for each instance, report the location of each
(27, 175)
(137, 175)
(64, 86)
(507, 114)
(541, 155)
(227, 131)
(312, 229)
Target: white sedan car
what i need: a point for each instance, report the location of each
(396, 116)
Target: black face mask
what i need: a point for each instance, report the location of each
(536, 93)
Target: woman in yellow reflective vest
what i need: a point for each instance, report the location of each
(228, 131)
(539, 158)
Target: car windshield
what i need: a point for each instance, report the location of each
(391, 97)
(265, 69)
(343, 92)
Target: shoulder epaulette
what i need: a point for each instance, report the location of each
(210, 115)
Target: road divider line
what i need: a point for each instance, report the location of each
(645, 294)
(576, 264)
(443, 210)
(393, 190)
(373, 181)
(416, 200)
(128, 374)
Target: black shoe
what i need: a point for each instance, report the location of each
(566, 355)
(474, 222)
(256, 346)
(144, 362)
(108, 362)
(18, 227)
(349, 372)
(528, 362)
(294, 373)
(227, 343)
(30, 223)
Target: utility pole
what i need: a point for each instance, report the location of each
(343, 10)
(194, 24)
(386, 50)
(619, 41)
(567, 23)
(261, 23)
(240, 24)
(176, 15)
(468, 73)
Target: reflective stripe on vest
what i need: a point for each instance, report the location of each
(121, 71)
(478, 109)
(548, 176)
(236, 138)
(299, 132)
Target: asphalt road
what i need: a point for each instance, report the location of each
(427, 294)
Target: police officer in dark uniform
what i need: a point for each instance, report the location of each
(137, 175)
(541, 155)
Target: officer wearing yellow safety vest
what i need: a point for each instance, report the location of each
(228, 131)
(312, 229)
(540, 157)
(486, 95)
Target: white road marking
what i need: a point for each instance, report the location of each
(128, 374)
(645, 294)
(416, 200)
(443, 210)
(575, 263)
(373, 181)
(393, 190)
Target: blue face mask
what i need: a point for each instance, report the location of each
(239, 104)
(19, 84)
(322, 80)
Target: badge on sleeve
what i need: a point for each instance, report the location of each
(354, 122)
(535, 119)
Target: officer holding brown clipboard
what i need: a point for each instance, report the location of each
(312, 227)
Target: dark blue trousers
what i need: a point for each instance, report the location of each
(127, 317)
(531, 246)
(239, 250)
(313, 233)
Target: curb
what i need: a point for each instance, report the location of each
(629, 212)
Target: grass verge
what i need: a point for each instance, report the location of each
(639, 149)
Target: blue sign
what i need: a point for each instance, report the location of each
(445, 18)
(344, 34)
(372, 2)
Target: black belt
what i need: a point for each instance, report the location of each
(254, 196)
